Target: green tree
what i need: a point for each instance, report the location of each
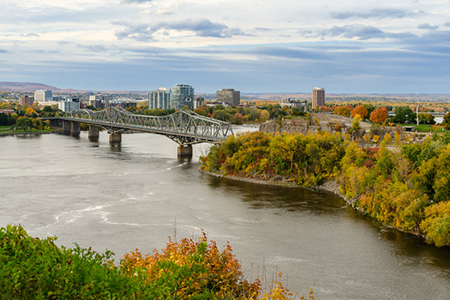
(404, 114)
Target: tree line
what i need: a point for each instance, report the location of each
(404, 185)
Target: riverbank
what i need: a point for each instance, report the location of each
(330, 186)
(27, 133)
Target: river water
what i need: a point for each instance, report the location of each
(137, 195)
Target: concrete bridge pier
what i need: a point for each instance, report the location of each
(93, 133)
(115, 138)
(66, 126)
(75, 129)
(185, 151)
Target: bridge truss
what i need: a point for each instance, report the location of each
(183, 127)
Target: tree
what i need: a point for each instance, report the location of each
(426, 118)
(361, 111)
(342, 111)
(379, 115)
(446, 121)
(24, 123)
(404, 114)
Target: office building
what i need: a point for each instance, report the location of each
(318, 97)
(159, 99)
(26, 100)
(69, 104)
(99, 101)
(229, 96)
(182, 95)
(43, 95)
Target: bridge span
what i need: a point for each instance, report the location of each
(184, 127)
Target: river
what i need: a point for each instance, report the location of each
(137, 195)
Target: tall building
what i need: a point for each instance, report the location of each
(69, 104)
(229, 96)
(182, 94)
(26, 100)
(159, 99)
(318, 97)
(43, 95)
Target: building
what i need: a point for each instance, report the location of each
(69, 104)
(99, 101)
(26, 100)
(299, 104)
(199, 101)
(229, 96)
(182, 95)
(159, 99)
(43, 95)
(318, 97)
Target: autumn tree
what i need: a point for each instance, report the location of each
(342, 111)
(379, 115)
(446, 121)
(361, 111)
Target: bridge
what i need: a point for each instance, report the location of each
(184, 127)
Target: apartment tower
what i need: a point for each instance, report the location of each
(182, 94)
(159, 99)
(318, 97)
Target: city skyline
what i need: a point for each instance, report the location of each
(287, 46)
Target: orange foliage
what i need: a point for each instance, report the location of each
(361, 111)
(379, 115)
(196, 267)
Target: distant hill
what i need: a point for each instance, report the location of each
(25, 87)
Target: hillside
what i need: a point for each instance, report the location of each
(25, 86)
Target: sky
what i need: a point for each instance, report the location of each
(345, 46)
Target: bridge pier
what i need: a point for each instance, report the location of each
(115, 138)
(185, 151)
(66, 127)
(93, 133)
(75, 129)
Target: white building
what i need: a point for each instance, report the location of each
(43, 95)
(159, 99)
(69, 104)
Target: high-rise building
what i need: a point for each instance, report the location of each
(26, 100)
(182, 94)
(318, 97)
(69, 104)
(159, 99)
(43, 95)
(229, 96)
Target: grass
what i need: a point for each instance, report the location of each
(7, 130)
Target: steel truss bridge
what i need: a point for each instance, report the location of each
(183, 127)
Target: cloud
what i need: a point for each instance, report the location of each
(31, 34)
(93, 48)
(136, 1)
(201, 27)
(3, 51)
(359, 31)
(447, 24)
(377, 13)
(286, 53)
(427, 26)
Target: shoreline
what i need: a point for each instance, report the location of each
(27, 133)
(329, 186)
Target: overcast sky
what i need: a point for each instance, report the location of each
(346, 46)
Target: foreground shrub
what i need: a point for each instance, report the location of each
(32, 268)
